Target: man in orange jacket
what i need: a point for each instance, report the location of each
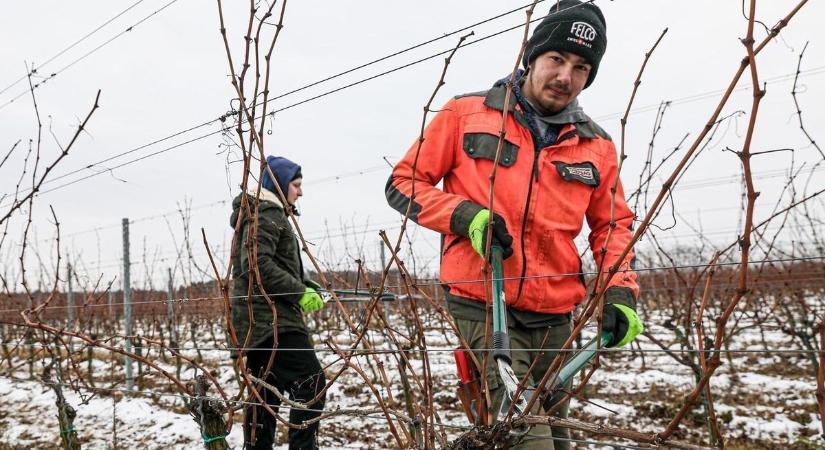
(557, 168)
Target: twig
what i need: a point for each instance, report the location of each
(608, 431)
(796, 103)
(18, 203)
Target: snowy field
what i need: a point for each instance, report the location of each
(763, 400)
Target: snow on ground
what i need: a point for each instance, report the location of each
(766, 402)
(33, 420)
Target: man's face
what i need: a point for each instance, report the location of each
(555, 79)
(294, 191)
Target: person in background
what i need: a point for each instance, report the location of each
(296, 372)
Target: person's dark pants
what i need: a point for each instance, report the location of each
(298, 375)
(540, 437)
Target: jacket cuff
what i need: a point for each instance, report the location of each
(621, 295)
(462, 216)
(312, 284)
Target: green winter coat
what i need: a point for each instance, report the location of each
(281, 270)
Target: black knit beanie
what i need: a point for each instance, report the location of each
(571, 26)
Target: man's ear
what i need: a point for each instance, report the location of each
(525, 77)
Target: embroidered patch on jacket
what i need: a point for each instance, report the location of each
(584, 172)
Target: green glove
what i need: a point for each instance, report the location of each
(478, 233)
(623, 322)
(311, 301)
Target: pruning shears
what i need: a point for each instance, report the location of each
(501, 349)
(355, 295)
(576, 364)
(501, 354)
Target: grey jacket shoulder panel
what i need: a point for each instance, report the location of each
(591, 130)
(473, 94)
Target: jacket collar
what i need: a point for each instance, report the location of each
(267, 196)
(495, 99)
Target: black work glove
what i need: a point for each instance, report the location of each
(615, 322)
(621, 318)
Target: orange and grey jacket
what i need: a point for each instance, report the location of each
(543, 194)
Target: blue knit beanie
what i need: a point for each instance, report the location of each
(284, 170)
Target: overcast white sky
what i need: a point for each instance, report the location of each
(170, 73)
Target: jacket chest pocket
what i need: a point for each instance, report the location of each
(484, 145)
(570, 185)
(286, 246)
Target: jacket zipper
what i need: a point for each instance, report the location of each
(533, 180)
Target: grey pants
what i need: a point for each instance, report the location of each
(541, 436)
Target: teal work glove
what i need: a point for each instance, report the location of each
(623, 322)
(478, 233)
(311, 301)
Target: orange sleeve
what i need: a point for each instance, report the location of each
(415, 177)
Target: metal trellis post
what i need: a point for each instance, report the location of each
(172, 322)
(127, 305)
(69, 296)
(111, 300)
